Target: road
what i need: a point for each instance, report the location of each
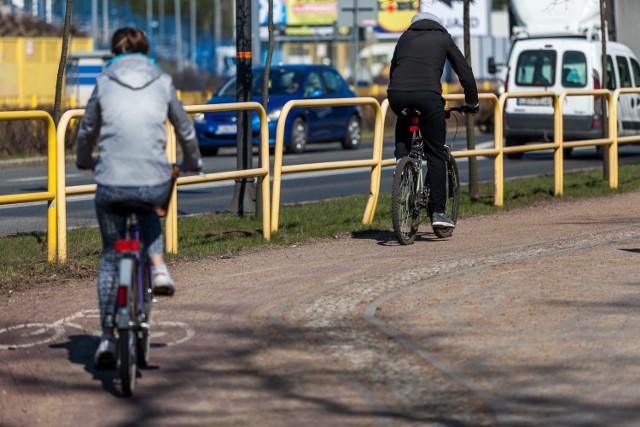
(296, 188)
(527, 318)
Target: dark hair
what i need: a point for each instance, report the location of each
(129, 40)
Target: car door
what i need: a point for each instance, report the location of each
(339, 115)
(317, 117)
(635, 102)
(625, 107)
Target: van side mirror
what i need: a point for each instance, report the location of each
(491, 65)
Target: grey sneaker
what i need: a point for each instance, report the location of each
(440, 220)
(163, 285)
(105, 357)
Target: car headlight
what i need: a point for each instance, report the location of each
(274, 115)
(199, 118)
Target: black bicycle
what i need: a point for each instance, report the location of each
(410, 195)
(135, 293)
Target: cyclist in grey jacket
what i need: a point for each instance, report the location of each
(126, 117)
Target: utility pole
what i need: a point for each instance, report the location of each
(178, 21)
(241, 198)
(474, 190)
(193, 33)
(105, 23)
(149, 20)
(94, 22)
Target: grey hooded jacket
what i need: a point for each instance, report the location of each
(126, 115)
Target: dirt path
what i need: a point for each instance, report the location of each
(529, 317)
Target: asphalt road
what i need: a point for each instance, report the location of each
(296, 188)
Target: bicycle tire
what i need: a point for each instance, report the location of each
(127, 346)
(404, 209)
(144, 335)
(453, 197)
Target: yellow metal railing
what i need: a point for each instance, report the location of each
(45, 196)
(374, 163)
(171, 222)
(57, 190)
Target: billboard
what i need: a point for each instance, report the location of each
(451, 14)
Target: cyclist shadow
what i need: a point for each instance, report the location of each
(387, 238)
(81, 349)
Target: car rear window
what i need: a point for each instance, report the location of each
(574, 69)
(281, 82)
(536, 68)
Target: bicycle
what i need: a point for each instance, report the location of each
(410, 195)
(135, 293)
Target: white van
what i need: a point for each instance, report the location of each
(564, 63)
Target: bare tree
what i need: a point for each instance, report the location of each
(63, 61)
(474, 190)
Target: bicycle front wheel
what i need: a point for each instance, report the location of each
(127, 340)
(405, 210)
(453, 197)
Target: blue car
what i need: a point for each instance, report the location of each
(303, 125)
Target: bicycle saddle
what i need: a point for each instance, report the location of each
(129, 207)
(411, 112)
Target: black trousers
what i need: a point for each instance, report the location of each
(432, 125)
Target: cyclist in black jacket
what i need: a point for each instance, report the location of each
(416, 68)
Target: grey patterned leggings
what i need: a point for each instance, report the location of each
(112, 228)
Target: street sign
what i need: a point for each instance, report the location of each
(366, 12)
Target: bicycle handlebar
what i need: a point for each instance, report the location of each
(464, 109)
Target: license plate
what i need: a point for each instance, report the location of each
(538, 102)
(226, 129)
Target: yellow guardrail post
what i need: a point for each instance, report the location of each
(613, 129)
(171, 220)
(50, 195)
(374, 163)
(261, 172)
(558, 152)
(61, 182)
(610, 140)
(556, 145)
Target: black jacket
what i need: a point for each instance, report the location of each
(419, 58)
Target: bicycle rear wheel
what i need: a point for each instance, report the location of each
(127, 346)
(144, 341)
(453, 197)
(405, 210)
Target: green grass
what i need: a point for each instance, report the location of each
(23, 258)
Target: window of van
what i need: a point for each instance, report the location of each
(536, 68)
(574, 69)
(623, 71)
(612, 83)
(636, 72)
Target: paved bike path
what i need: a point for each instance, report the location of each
(527, 317)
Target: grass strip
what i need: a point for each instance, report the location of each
(23, 258)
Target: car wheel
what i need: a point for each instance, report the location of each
(600, 152)
(298, 140)
(351, 139)
(512, 142)
(209, 151)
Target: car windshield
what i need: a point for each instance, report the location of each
(281, 82)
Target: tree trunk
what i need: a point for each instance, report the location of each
(63, 62)
(605, 84)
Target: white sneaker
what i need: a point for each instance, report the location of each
(105, 357)
(162, 284)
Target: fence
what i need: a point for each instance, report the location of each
(29, 67)
(57, 191)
